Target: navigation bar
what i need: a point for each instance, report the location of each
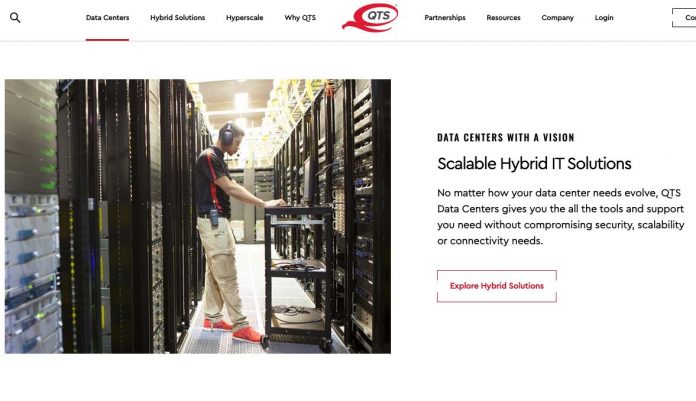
(320, 21)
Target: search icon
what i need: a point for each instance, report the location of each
(15, 17)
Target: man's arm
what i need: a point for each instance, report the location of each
(233, 189)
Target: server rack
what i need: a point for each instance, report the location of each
(369, 240)
(247, 220)
(156, 210)
(288, 188)
(103, 205)
(169, 214)
(199, 139)
(320, 241)
(133, 264)
(303, 146)
(79, 284)
(183, 138)
(117, 196)
(263, 189)
(282, 190)
(109, 183)
(349, 136)
(278, 193)
(30, 136)
(32, 299)
(32, 302)
(238, 208)
(129, 231)
(336, 133)
(145, 180)
(311, 240)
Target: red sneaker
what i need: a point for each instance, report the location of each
(219, 326)
(247, 334)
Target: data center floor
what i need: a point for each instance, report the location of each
(287, 291)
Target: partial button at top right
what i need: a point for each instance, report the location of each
(684, 18)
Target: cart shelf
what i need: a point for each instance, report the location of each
(316, 323)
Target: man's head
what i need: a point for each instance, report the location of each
(230, 138)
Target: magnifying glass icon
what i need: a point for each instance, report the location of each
(15, 17)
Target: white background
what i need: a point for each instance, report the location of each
(623, 328)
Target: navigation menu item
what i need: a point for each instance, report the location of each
(300, 17)
(450, 17)
(490, 17)
(558, 18)
(105, 17)
(242, 18)
(603, 18)
(176, 17)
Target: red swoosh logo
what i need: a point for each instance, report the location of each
(368, 26)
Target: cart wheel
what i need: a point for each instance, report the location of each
(325, 345)
(264, 342)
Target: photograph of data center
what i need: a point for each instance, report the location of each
(182, 216)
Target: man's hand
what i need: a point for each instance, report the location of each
(275, 202)
(233, 189)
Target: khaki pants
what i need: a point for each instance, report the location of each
(221, 286)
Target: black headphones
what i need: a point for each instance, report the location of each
(227, 133)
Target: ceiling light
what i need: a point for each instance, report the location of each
(241, 101)
(236, 111)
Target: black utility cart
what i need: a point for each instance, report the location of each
(319, 270)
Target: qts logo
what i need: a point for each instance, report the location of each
(373, 17)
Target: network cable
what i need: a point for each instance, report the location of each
(294, 310)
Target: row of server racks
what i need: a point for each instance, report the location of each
(124, 262)
(347, 131)
(247, 220)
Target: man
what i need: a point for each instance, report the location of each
(213, 188)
